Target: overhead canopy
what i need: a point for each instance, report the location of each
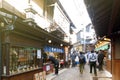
(104, 47)
(105, 16)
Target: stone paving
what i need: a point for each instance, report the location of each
(74, 74)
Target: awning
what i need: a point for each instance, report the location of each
(104, 47)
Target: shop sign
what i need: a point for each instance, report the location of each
(47, 67)
(53, 49)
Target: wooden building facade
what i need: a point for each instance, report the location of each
(22, 43)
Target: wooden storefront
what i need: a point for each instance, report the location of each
(116, 57)
(22, 51)
(22, 44)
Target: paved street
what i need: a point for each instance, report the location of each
(74, 74)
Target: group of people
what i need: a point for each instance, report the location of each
(56, 62)
(93, 58)
(78, 58)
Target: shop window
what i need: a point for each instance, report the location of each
(22, 59)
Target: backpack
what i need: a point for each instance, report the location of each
(81, 59)
(93, 57)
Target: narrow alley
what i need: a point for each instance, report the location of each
(42, 39)
(74, 74)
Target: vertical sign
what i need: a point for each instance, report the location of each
(39, 54)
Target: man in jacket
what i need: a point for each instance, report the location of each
(92, 61)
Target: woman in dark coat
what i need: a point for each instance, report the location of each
(55, 62)
(100, 60)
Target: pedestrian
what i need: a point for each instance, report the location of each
(55, 62)
(73, 56)
(93, 61)
(87, 56)
(62, 63)
(82, 62)
(56, 66)
(100, 60)
(76, 60)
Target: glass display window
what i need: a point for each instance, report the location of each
(22, 59)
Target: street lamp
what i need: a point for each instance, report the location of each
(61, 45)
(49, 41)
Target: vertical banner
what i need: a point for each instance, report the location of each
(66, 53)
(39, 54)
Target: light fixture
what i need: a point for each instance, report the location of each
(61, 44)
(68, 46)
(2, 24)
(106, 39)
(100, 42)
(49, 41)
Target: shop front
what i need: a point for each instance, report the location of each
(106, 48)
(103, 47)
(21, 52)
(56, 52)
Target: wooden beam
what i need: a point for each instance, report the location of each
(115, 11)
(4, 6)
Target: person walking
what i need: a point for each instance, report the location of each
(82, 62)
(77, 60)
(87, 56)
(73, 56)
(92, 61)
(100, 60)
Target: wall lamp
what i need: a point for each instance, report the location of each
(61, 44)
(49, 41)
